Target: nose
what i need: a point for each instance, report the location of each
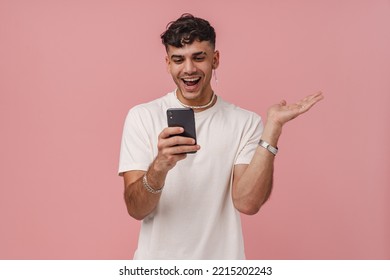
(189, 67)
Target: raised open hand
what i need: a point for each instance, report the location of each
(281, 113)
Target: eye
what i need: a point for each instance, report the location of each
(199, 58)
(177, 60)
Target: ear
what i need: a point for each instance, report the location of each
(216, 60)
(168, 64)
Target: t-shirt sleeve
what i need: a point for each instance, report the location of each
(249, 142)
(135, 151)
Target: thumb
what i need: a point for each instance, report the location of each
(283, 102)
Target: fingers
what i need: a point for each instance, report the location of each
(169, 144)
(181, 149)
(309, 101)
(282, 113)
(178, 145)
(314, 98)
(306, 102)
(170, 131)
(173, 148)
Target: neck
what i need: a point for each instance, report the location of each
(197, 108)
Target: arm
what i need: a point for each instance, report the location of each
(139, 201)
(252, 184)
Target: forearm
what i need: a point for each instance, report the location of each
(139, 201)
(254, 185)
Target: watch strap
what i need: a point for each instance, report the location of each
(266, 145)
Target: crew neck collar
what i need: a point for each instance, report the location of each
(176, 104)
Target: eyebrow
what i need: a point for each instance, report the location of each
(199, 53)
(193, 55)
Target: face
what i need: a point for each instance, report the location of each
(191, 68)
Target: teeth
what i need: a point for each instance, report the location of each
(191, 80)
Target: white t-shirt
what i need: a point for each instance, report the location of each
(195, 217)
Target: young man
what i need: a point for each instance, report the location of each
(190, 204)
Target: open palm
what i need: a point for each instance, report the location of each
(282, 112)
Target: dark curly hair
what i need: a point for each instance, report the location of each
(187, 29)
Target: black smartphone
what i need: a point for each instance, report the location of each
(185, 118)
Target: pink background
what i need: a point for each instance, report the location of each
(70, 70)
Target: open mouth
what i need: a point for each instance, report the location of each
(191, 81)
